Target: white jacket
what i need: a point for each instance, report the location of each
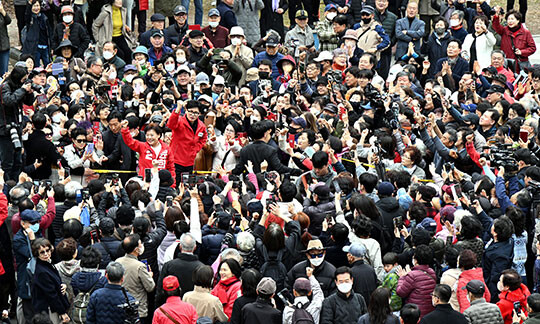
(484, 46)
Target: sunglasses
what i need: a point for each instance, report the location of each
(320, 255)
(80, 141)
(48, 134)
(46, 251)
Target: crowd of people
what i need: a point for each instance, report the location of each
(375, 164)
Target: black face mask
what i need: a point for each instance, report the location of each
(366, 21)
(264, 75)
(168, 102)
(355, 105)
(293, 130)
(207, 91)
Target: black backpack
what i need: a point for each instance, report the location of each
(274, 268)
(301, 315)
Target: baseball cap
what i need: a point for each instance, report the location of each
(30, 215)
(356, 249)
(202, 78)
(331, 108)
(157, 17)
(206, 98)
(367, 9)
(476, 287)
(315, 245)
(157, 32)
(491, 70)
(195, 33)
(324, 56)
(213, 12)
(170, 283)
(267, 286)
(330, 7)
(237, 31)
(183, 68)
(66, 9)
(130, 67)
(385, 188)
(219, 80)
(301, 14)
(495, 88)
(471, 119)
(469, 107)
(323, 191)
(179, 10)
(299, 121)
(302, 284)
(272, 40)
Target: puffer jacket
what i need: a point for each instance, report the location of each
(227, 291)
(498, 256)
(507, 299)
(247, 16)
(103, 306)
(211, 244)
(464, 278)
(482, 312)
(317, 213)
(323, 273)
(339, 308)
(110, 249)
(84, 280)
(416, 287)
(78, 35)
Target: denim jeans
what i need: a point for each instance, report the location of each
(4, 62)
(42, 54)
(10, 159)
(198, 10)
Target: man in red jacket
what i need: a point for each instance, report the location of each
(174, 310)
(189, 137)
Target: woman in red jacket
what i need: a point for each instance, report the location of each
(154, 150)
(516, 41)
(229, 285)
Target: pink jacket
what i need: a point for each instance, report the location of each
(464, 278)
(416, 287)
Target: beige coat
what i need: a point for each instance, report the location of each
(137, 281)
(206, 304)
(370, 39)
(102, 28)
(244, 58)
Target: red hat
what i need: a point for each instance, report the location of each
(170, 283)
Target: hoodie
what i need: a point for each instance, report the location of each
(67, 269)
(507, 299)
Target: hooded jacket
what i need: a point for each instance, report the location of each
(507, 299)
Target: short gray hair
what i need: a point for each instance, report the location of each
(231, 253)
(245, 241)
(459, 13)
(115, 272)
(70, 189)
(187, 242)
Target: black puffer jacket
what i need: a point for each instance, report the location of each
(339, 308)
(317, 212)
(78, 35)
(323, 273)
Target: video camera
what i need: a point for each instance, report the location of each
(502, 156)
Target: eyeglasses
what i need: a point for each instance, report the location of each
(46, 251)
(194, 113)
(80, 141)
(433, 295)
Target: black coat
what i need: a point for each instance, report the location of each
(46, 291)
(259, 312)
(239, 303)
(444, 314)
(38, 147)
(4, 37)
(12, 96)
(272, 20)
(78, 35)
(174, 34)
(182, 268)
(259, 151)
(365, 279)
(110, 249)
(338, 308)
(37, 31)
(323, 273)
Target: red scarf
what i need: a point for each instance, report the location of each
(67, 30)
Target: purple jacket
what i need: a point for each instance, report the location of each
(416, 287)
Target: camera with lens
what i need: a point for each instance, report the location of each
(493, 12)
(14, 135)
(334, 76)
(502, 156)
(169, 83)
(449, 166)
(131, 311)
(374, 96)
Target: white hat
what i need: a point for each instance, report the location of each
(237, 31)
(324, 56)
(394, 70)
(219, 80)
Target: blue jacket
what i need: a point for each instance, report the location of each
(500, 191)
(22, 256)
(46, 290)
(110, 250)
(459, 33)
(498, 256)
(275, 58)
(440, 151)
(228, 18)
(103, 306)
(152, 54)
(458, 70)
(415, 32)
(83, 281)
(435, 48)
(211, 244)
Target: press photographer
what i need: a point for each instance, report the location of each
(13, 93)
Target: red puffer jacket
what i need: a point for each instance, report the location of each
(186, 143)
(522, 40)
(416, 287)
(227, 291)
(464, 278)
(507, 299)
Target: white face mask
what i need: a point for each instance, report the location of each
(57, 118)
(454, 22)
(236, 41)
(181, 59)
(344, 288)
(316, 261)
(141, 250)
(169, 67)
(107, 55)
(500, 286)
(112, 75)
(331, 15)
(142, 61)
(67, 19)
(213, 24)
(25, 138)
(130, 77)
